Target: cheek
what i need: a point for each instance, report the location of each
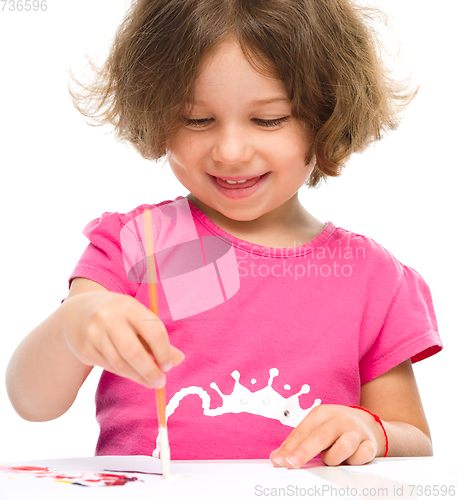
(292, 154)
(302, 135)
(295, 143)
(175, 160)
(180, 151)
(179, 167)
(189, 151)
(185, 165)
(179, 145)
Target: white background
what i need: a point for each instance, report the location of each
(58, 173)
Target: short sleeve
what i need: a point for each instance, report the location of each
(102, 260)
(409, 329)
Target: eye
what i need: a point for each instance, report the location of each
(271, 123)
(201, 122)
(196, 123)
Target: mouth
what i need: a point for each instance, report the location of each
(240, 182)
(239, 187)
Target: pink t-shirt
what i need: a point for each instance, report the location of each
(268, 333)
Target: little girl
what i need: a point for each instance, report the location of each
(298, 335)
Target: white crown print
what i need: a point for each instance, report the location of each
(265, 402)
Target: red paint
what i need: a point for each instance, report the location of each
(112, 479)
(100, 478)
(24, 468)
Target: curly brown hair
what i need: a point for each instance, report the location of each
(324, 51)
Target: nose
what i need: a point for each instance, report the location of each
(232, 145)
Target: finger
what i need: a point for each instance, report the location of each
(177, 356)
(276, 459)
(365, 453)
(312, 421)
(301, 448)
(110, 359)
(95, 357)
(345, 446)
(132, 352)
(154, 334)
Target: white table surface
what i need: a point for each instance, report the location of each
(386, 478)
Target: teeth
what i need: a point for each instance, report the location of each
(234, 182)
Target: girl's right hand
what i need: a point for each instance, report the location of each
(119, 334)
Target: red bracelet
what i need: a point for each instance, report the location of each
(379, 422)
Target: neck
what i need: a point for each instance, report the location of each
(286, 226)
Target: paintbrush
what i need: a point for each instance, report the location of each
(154, 306)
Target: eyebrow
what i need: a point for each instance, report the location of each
(268, 101)
(260, 102)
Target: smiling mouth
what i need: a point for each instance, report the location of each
(238, 183)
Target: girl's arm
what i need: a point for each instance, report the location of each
(92, 327)
(353, 436)
(394, 396)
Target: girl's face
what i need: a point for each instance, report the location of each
(240, 129)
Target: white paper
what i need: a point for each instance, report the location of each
(232, 479)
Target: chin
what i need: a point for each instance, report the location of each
(241, 215)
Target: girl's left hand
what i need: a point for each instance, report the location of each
(342, 433)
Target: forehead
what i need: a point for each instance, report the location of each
(225, 73)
